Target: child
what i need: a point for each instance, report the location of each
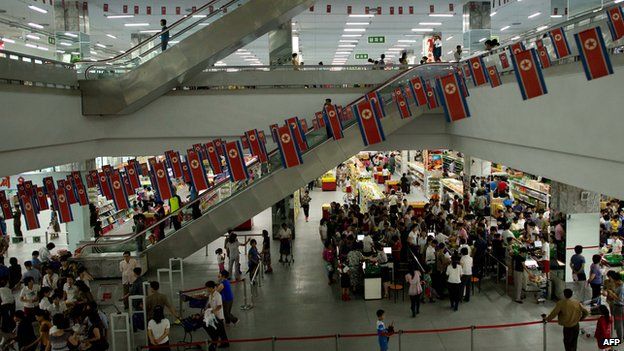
(220, 259)
(253, 257)
(328, 257)
(429, 292)
(383, 333)
(345, 281)
(603, 328)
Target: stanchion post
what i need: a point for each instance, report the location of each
(472, 331)
(544, 336)
(337, 343)
(506, 280)
(400, 344)
(273, 341)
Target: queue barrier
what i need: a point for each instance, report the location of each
(398, 334)
(202, 288)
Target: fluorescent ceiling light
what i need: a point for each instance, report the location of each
(539, 29)
(7, 40)
(136, 24)
(351, 35)
(31, 45)
(348, 40)
(119, 16)
(64, 43)
(355, 29)
(515, 38)
(559, 16)
(32, 36)
(149, 31)
(422, 29)
(407, 41)
(121, 51)
(449, 38)
(111, 36)
(441, 15)
(35, 25)
(204, 24)
(357, 23)
(250, 59)
(343, 53)
(199, 16)
(505, 28)
(174, 42)
(248, 56)
(60, 51)
(101, 45)
(42, 48)
(493, 14)
(362, 16)
(402, 46)
(72, 35)
(93, 52)
(346, 46)
(482, 40)
(75, 53)
(535, 15)
(617, 1)
(430, 23)
(395, 49)
(256, 64)
(38, 9)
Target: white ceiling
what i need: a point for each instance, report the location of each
(319, 31)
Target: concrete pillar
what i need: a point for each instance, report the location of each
(577, 6)
(476, 24)
(581, 211)
(281, 44)
(79, 229)
(71, 24)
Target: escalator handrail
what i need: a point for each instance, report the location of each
(148, 40)
(251, 163)
(43, 60)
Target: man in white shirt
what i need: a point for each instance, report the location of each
(466, 263)
(441, 238)
(616, 247)
(458, 53)
(215, 303)
(367, 245)
(285, 236)
(45, 253)
(126, 267)
(430, 254)
(412, 237)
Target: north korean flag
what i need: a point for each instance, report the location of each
(432, 98)
(199, 148)
(163, 185)
(262, 137)
(244, 141)
(197, 170)
(30, 212)
(63, 206)
(477, 71)
(304, 126)
(451, 97)
(503, 60)
(213, 158)
(315, 123)
(593, 52)
(144, 170)
(69, 190)
(529, 74)
(173, 159)
(127, 185)
(289, 150)
(369, 122)
(6, 206)
(133, 176)
(332, 121)
(401, 101)
(48, 184)
(120, 197)
(42, 199)
(462, 85)
(273, 129)
(186, 171)
(29, 188)
(235, 161)
(300, 137)
(319, 117)
(104, 188)
(616, 22)
(218, 144)
(81, 194)
(76, 177)
(417, 87)
(466, 70)
(92, 179)
(542, 53)
(108, 169)
(256, 145)
(377, 103)
(517, 47)
(494, 76)
(560, 42)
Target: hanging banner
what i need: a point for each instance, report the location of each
(593, 53)
(451, 98)
(417, 87)
(213, 158)
(529, 74)
(63, 207)
(332, 121)
(104, 188)
(235, 161)
(163, 185)
(256, 146)
(432, 98)
(7, 213)
(30, 212)
(133, 177)
(542, 53)
(120, 197)
(377, 103)
(369, 122)
(173, 160)
(42, 199)
(560, 43)
(517, 47)
(401, 102)
(197, 171)
(477, 71)
(616, 22)
(289, 150)
(300, 138)
(494, 76)
(186, 171)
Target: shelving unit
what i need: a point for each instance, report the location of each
(529, 194)
(432, 186)
(459, 163)
(417, 170)
(455, 186)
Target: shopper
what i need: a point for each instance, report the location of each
(295, 61)
(569, 312)
(415, 290)
(156, 298)
(305, 204)
(253, 258)
(158, 329)
(17, 223)
(215, 304)
(329, 257)
(595, 277)
(518, 273)
(266, 251)
(454, 272)
(164, 35)
(231, 248)
(126, 267)
(615, 296)
(383, 332)
(457, 55)
(227, 296)
(603, 328)
(577, 264)
(285, 236)
(175, 203)
(466, 278)
(437, 48)
(405, 184)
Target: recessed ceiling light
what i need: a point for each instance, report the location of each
(402, 46)
(362, 16)
(75, 53)
(101, 45)
(441, 15)
(505, 28)
(541, 28)
(343, 53)
(493, 14)
(136, 24)
(72, 35)
(31, 45)
(346, 46)
(515, 38)
(482, 40)
(357, 23)
(174, 41)
(395, 49)
(199, 16)
(149, 31)
(355, 29)
(559, 16)
(43, 48)
(422, 29)
(111, 36)
(429, 23)
(351, 35)
(535, 15)
(406, 41)
(348, 40)
(60, 51)
(35, 25)
(32, 36)
(64, 43)
(38, 9)
(7, 40)
(449, 38)
(93, 52)
(119, 16)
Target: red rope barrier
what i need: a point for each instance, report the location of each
(430, 331)
(204, 288)
(315, 337)
(509, 325)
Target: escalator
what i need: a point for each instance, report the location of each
(230, 204)
(126, 83)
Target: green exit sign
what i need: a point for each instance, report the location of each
(361, 56)
(51, 40)
(377, 39)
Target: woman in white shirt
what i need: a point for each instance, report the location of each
(28, 296)
(7, 308)
(50, 279)
(415, 290)
(454, 272)
(323, 230)
(45, 295)
(158, 329)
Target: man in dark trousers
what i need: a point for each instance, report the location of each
(164, 35)
(569, 312)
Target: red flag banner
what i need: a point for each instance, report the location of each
(289, 150)
(332, 121)
(69, 190)
(63, 207)
(417, 87)
(377, 103)
(127, 185)
(48, 183)
(133, 177)
(144, 169)
(560, 42)
(81, 194)
(199, 148)
(7, 213)
(369, 122)
(494, 77)
(163, 186)
(593, 53)
(542, 53)
(319, 117)
(528, 74)
(29, 188)
(213, 158)
(273, 129)
(245, 141)
(256, 146)
(120, 198)
(218, 144)
(452, 99)
(401, 102)
(173, 159)
(432, 98)
(104, 187)
(197, 171)
(42, 199)
(262, 137)
(517, 47)
(235, 161)
(477, 71)
(504, 60)
(304, 125)
(295, 125)
(186, 171)
(616, 22)
(30, 212)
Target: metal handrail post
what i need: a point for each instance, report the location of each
(273, 341)
(337, 344)
(400, 343)
(544, 337)
(472, 335)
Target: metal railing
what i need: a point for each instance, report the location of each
(13, 55)
(268, 68)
